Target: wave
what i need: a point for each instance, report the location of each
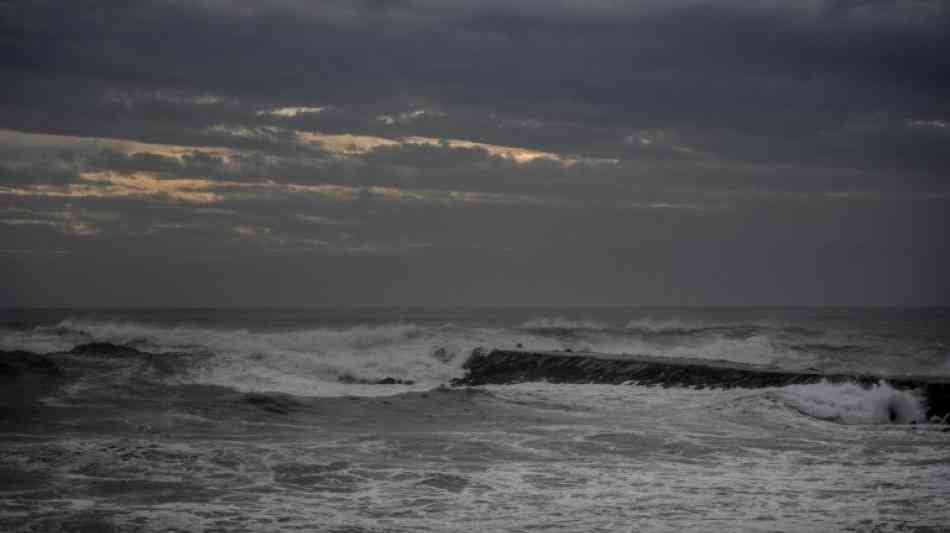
(849, 403)
(563, 324)
(307, 360)
(642, 325)
(846, 403)
(829, 348)
(314, 360)
(756, 349)
(673, 329)
(650, 325)
(674, 339)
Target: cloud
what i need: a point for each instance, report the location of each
(114, 185)
(147, 185)
(32, 252)
(291, 111)
(350, 144)
(677, 206)
(69, 221)
(315, 219)
(78, 228)
(129, 99)
(34, 141)
(938, 124)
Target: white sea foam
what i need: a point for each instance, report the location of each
(849, 403)
(845, 403)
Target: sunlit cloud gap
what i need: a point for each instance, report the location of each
(18, 139)
(350, 144)
(342, 144)
(149, 185)
(290, 112)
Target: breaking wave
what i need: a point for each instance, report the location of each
(849, 403)
(307, 361)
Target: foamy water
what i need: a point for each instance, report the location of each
(313, 359)
(267, 423)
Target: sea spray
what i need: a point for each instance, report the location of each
(850, 403)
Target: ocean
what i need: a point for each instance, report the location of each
(347, 420)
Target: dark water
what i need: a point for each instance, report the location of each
(266, 420)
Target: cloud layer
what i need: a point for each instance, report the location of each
(459, 152)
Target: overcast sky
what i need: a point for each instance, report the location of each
(462, 152)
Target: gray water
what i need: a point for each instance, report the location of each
(239, 421)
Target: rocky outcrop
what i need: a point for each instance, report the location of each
(514, 366)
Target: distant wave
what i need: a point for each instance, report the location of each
(645, 325)
(650, 325)
(560, 323)
(830, 348)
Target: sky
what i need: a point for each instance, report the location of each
(460, 152)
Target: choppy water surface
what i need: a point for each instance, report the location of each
(267, 421)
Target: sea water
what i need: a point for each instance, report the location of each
(339, 419)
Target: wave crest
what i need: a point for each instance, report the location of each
(560, 323)
(849, 403)
(307, 362)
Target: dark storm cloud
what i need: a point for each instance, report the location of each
(656, 63)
